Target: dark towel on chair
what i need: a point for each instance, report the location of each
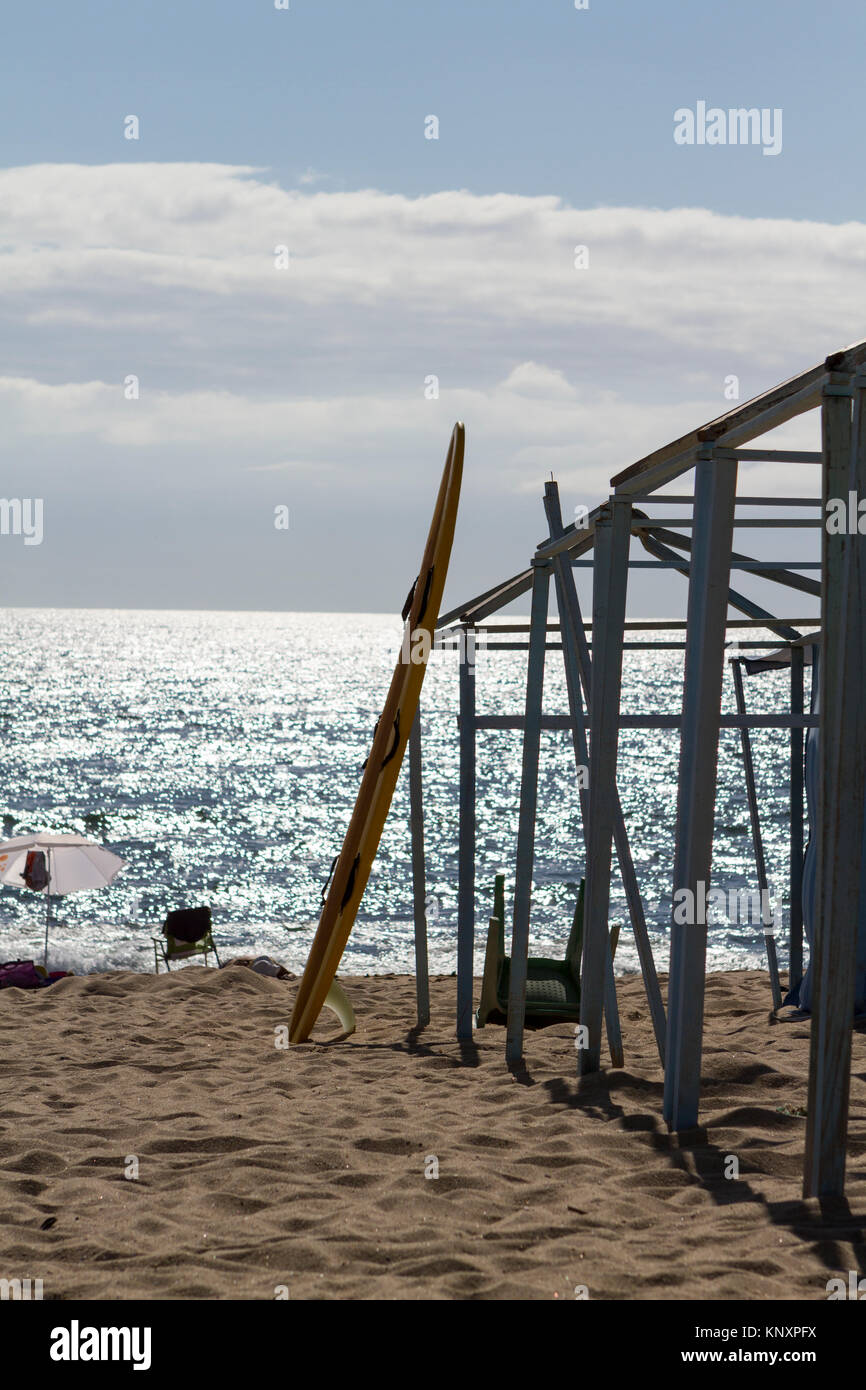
(188, 924)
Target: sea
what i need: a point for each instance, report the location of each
(219, 754)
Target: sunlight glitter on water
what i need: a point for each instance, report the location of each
(220, 754)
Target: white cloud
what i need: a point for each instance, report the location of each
(524, 426)
(531, 379)
(77, 234)
(249, 373)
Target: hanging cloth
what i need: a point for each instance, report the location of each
(36, 871)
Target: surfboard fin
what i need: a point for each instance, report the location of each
(338, 1000)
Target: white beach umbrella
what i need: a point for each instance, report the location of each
(73, 864)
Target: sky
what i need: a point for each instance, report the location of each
(172, 381)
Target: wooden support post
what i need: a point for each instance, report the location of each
(581, 756)
(610, 580)
(715, 492)
(841, 790)
(578, 667)
(526, 822)
(466, 852)
(757, 838)
(627, 869)
(795, 928)
(419, 885)
(570, 620)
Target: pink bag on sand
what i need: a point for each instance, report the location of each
(23, 974)
(20, 974)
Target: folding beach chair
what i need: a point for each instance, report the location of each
(185, 933)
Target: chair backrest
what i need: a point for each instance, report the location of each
(187, 924)
(574, 949)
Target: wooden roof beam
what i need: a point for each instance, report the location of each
(736, 427)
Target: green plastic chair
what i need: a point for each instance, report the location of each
(552, 986)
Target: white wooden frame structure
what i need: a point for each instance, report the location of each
(838, 388)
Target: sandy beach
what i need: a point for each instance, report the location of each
(263, 1170)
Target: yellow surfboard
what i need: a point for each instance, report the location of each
(383, 765)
